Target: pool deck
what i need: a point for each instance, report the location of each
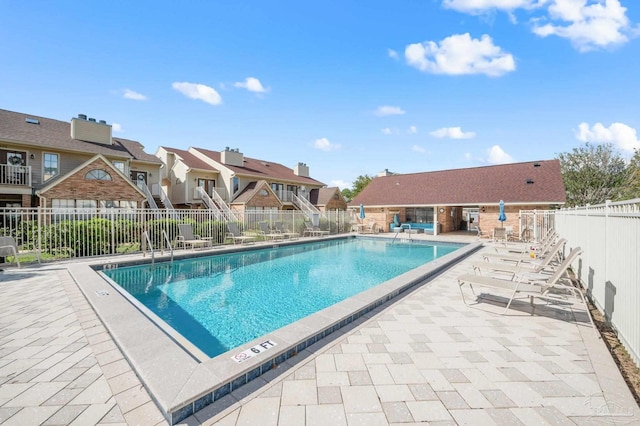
(423, 357)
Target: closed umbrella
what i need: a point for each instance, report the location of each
(502, 217)
(361, 211)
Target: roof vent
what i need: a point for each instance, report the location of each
(536, 164)
(529, 181)
(93, 120)
(82, 116)
(103, 121)
(32, 121)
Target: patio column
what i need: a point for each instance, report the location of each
(435, 220)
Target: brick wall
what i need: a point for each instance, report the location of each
(76, 187)
(334, 204)
(269, 200)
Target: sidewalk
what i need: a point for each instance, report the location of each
(425, 357)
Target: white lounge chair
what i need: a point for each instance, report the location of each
(313, 231)
(286, 232)
(188, 239)
(237, 236)
(523, 265)
(550, 288)
(268, 234)
(8, 247)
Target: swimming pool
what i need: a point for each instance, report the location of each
(221, 302)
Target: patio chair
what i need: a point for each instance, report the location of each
(550, 288)
(267, 233)
(499, 235)
(236, 235)
(522, 266)
(8, 247)
(481, 233)
(510, 255)
(313, 231)
(370, 228)
(286, 232)
(187, 237)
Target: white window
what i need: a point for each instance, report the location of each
(62, 204)
(51, 166)
(119, 165)
(97, 175)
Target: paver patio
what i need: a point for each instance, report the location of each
(424, 358)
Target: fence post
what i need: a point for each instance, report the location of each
(39, 248)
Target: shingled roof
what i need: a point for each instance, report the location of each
(56, 134)
(262, 169)
(322, 196)
(534, 182)
(191, 160)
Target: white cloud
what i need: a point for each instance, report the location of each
(387, 131)
(467, 156)
(496, 155)
(388, 110)
(116, 127)
(419, 149)
(342, 184)
(476, 7)
(252, 84)
(452, 133)
(323, 144)
(392, 53)
(198, 91)
(619, 134)
(130, 94)
(412, 129)
(460, 54)
(588, 26)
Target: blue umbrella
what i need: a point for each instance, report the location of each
(361, 211)
(502, 217)
(396, 219)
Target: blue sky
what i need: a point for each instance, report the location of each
(348, 87)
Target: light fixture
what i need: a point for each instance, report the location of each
(32, 156)
(441, 210)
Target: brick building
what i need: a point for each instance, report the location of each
(457, 199)
(79, 163)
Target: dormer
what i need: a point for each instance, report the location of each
(232, 157)
(301, 169)
(90, 130)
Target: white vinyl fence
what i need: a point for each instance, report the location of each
(609, 268)
(55, 234)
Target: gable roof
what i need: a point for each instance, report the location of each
(252, 189)
(55, 134)
(477, 185)
(322, 196)
(190, 160)
(61, 178)
(262, 169)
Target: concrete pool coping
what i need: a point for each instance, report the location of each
(179, 383)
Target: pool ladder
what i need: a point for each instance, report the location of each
(402, 239)
(147, 240)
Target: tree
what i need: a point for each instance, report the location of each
(358, 185)
(593, 174)
(632, 187)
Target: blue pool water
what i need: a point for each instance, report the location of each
(220, 302)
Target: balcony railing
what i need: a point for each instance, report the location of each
(15, 175)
